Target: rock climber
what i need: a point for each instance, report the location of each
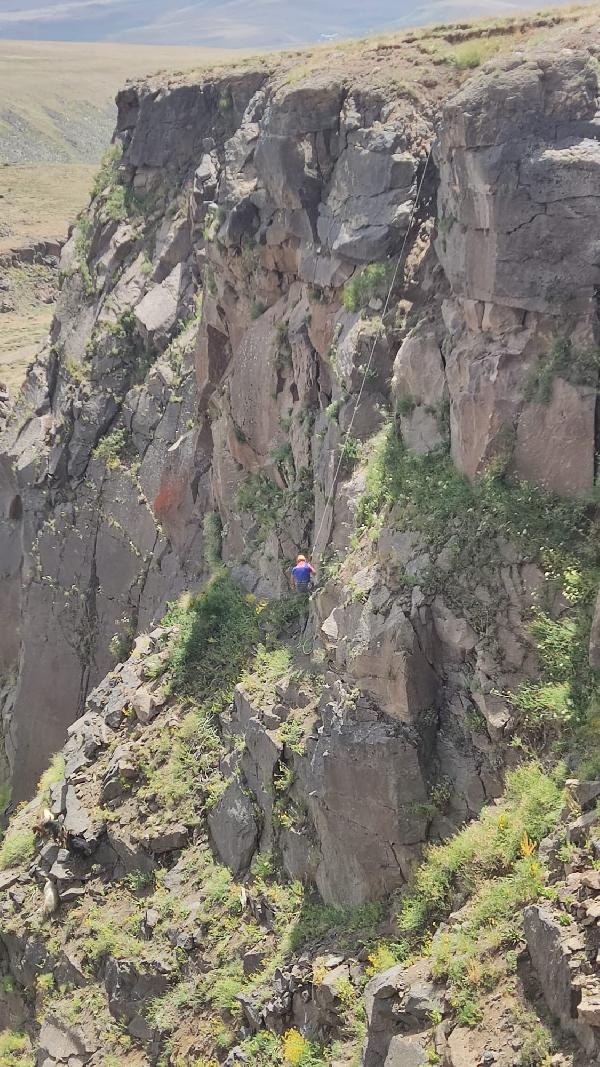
(302, 574)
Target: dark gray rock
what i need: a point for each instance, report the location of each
(253, 961)
(168, 840)
(233, 828)
(552, 958)
(406, 1052)
(129, 991)
(62, 1043)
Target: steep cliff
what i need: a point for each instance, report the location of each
(347, 303)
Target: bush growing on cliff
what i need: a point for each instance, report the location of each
(106, 173)
(15, 1050)
(54, 773)
(82, 245)
(491, 864)
(568, 686)
(218, 629)
(366, 284)
(344, 926)
(18, 847)
(212, 529)
(110, 448)
(579, 366)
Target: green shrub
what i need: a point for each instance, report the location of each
(106, 174)
(82, 245)
(283, 348)
(537, 1047)
(578, 366)
(165, 1012)
(283, 457)
(108, 936)
(350, 451)
(18, 847)
(405, 405)
(52, 775)
(218, 632)
(471, 54)
(262, 1049)
(187, 778)
(268, 667)
(472, 956)
(15, 1050)
(428, 495)
(120, 202)
(225, 101)
(292, 732)
(257, 308)
(467, 58)
(121, 645)
(264, 500)
(110, 447)
(344, 926)
(568, 686)
(370, 282)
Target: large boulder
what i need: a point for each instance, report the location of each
(383, 654)
(233, 828)
(366, 793)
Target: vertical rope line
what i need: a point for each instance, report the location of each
(372, 353)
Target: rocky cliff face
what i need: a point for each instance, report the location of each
(237, 372)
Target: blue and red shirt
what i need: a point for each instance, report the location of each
(302, 573)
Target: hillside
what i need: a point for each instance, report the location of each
(57, 98)
(255, 24)
(342, 303)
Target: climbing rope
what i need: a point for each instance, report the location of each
(372, 353)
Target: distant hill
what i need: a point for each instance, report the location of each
(57, 98)
(256, 24)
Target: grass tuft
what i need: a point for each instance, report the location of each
(18, 847)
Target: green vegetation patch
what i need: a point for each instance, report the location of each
(52, 775)
(18, 847)
(371, 282)
(221, 640)
(345, 927)
(110, 934)
(428, 495)
(485, 849)
(212, 529)
(492, 865)
(271, 505)
(110, 448)
(579, 366)
(15, 1050)
(218, 631)
(107, 172)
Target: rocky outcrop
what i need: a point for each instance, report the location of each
(517, 213)
(241, 368)
(275, 206)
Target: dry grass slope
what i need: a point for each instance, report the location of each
(57, 98)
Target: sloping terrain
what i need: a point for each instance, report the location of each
(57, 98)
(342, 303)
